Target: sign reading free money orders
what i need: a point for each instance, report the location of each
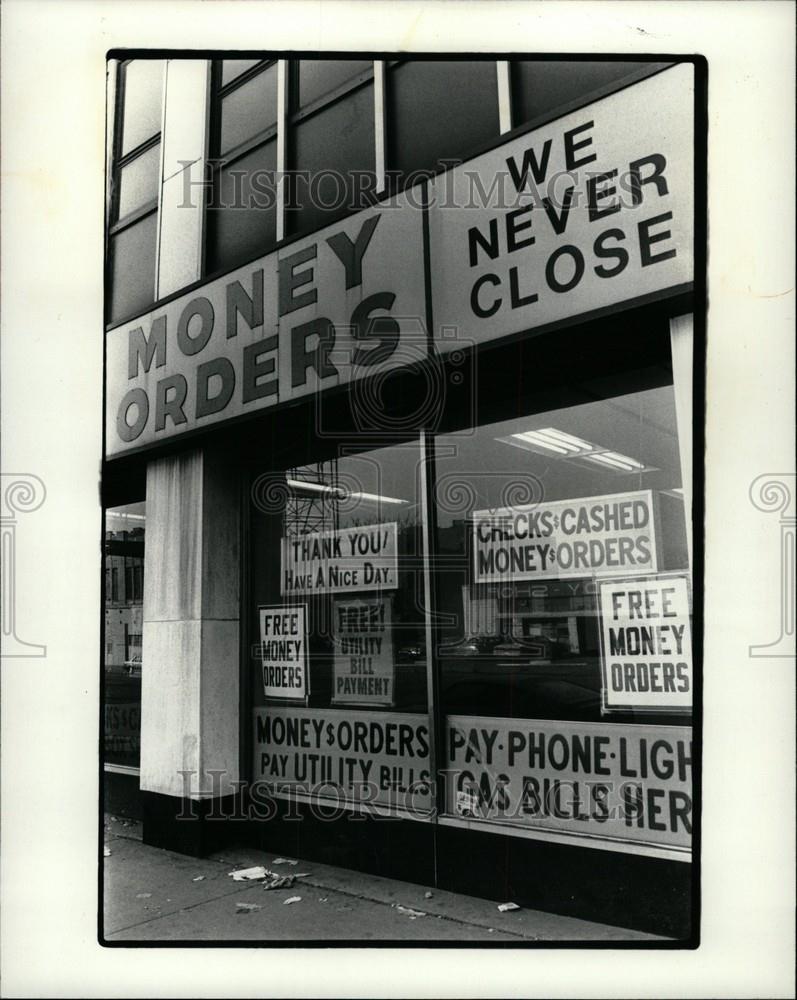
(589, 213)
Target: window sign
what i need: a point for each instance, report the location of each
(589, 536)
(329, 562)
(283, 644)
(364, 663)
(646, 644)
(632, 783)
(353, 760)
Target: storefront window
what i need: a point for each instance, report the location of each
(339, 672)
(565, 639)
(124, 630)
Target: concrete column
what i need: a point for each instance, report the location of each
(190, 676)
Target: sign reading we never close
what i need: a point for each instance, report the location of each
(590, 211)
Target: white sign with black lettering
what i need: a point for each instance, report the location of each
(283, 649)
(365, 670)
(331, 562)
(589, 212)
(646, 640)
(585, 536)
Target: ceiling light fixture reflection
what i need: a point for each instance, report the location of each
(341, 493)
(552, 441)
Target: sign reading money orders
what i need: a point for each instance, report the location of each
(283, 648)
(584, 537)
(329, 562)
(646, 640)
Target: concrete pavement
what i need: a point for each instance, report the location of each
(154, 895)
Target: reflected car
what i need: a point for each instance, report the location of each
(472, 645)
(133, 665)
(536, 648)
(411, 652)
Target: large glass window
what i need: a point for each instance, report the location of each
(439, 110)
(338, 629)
(563, 595)
(135, 179)
(125, 529)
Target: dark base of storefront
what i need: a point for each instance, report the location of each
(621, 889)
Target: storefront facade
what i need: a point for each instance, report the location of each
(399, 470)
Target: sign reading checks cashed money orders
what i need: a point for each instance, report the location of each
(583, 537)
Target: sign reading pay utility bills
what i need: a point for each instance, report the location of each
(583, 537)
(330, 562)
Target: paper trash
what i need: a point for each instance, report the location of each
(246, 874)
(292, 899)
(504, 907)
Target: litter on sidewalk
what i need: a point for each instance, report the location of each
(292, 899)
(409, 912)
(505, 907)
(199, 878)
(275, 881)
(284, 861)
(247, 907)
(248, 874)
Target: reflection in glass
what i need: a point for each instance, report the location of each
(125, 529)
(249, 110)
(138, 181)
(143, 100)
(521, 636)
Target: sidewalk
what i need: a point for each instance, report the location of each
(155, 895)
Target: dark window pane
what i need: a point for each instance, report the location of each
(133, 268)
(541, 86)
(249, 109)
(329, 147)
(230, 68)
(440, 110)
(142, 86)
(138, 181)
(124, 564)
(245, 221)
(321, 76)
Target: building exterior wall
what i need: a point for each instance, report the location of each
(272, 394)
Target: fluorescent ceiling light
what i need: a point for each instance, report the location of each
(341, 493)
(552, 441)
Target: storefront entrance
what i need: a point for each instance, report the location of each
(469, 655)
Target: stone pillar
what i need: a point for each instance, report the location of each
(190, 671)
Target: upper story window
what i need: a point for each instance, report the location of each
(135, 179)
(439, 110)
(543, 87)
(242, 213)
(331, 147)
